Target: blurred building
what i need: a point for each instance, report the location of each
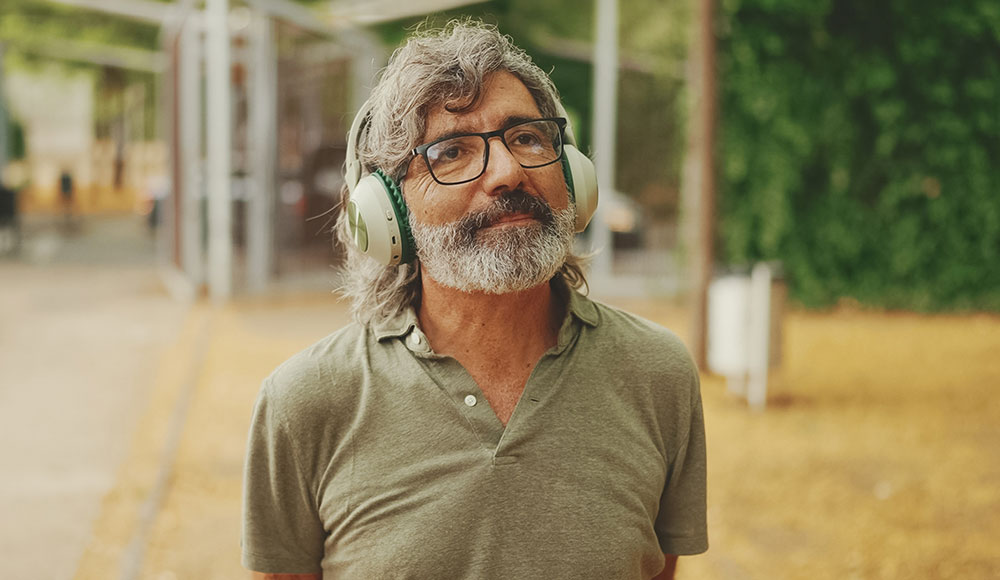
(229, 130)
(59, 113)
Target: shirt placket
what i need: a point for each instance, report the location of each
(460, 389)
(542, 384)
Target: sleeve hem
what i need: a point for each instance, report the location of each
(685, 546)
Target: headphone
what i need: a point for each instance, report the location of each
(378, 219)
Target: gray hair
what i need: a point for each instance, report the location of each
(449, 66)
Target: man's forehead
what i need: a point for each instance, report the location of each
(504, 99)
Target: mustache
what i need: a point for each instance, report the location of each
(510, 202)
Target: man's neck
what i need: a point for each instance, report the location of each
(520, 325)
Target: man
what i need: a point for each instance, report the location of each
(10, 221)
(66, 194)
(481, 419)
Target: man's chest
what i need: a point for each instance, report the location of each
(433, 476)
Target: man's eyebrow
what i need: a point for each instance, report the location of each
(507, 122)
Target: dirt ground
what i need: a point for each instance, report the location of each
(878, 456)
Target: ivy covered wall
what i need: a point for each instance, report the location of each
(860, 145)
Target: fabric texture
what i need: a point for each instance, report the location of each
(370, 456)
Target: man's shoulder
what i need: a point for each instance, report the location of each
(631, 331)
(322, 372)
(648, 357)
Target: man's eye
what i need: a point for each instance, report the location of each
(449, 153)
(526, 139)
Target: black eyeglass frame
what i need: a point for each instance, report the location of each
(421, 150)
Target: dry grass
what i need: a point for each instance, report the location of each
(878, 456)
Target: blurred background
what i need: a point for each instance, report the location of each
(807, 191)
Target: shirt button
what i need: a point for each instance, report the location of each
(470, 400)
(415, 339)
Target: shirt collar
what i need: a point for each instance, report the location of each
(395, 326)
(577, 306)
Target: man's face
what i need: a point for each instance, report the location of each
(506, 231)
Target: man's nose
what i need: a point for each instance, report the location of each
(503, 172)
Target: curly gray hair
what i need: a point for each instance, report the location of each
(447, 65)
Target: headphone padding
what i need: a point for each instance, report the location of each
(582, 185)
(407, 244)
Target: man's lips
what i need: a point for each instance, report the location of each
(513, 209)
(512, 218)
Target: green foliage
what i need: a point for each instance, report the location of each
(860, 144)
(28, 28)
(28, 21)
(15, 140)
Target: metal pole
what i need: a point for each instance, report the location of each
(263, 113)
(704, 249)
(759, 336)
(141, 10)
(219, 154)
(604, 122)
(165, 131)
(192, 181)
(367, 57)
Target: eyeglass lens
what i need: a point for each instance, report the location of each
(533, 144)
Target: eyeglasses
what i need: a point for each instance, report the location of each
(459, 159)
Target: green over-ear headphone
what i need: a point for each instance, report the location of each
(379, 219)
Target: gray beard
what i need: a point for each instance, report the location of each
(496, 261)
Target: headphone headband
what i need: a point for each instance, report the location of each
(352, 172)
(568, 134)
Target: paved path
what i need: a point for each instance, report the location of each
(83, 320)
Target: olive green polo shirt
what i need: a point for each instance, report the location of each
(372, 457)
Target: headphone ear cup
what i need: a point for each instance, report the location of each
(582, 182)
(378, 220)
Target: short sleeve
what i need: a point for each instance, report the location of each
(282, 531)
(681, 525)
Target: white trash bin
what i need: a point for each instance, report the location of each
(744, 328)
